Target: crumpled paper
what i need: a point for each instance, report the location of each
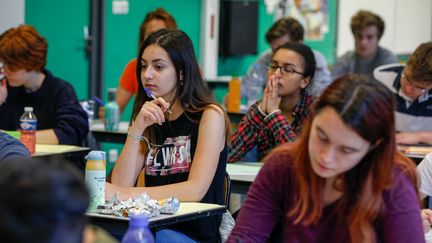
(141, 205)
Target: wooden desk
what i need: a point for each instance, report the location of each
(117, 226)
(73, 154)
(242, 174)
(415, 152)
(101, 135)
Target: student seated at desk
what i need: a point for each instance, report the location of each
(411, 85)
(424, 170)
(286, 29)
(342, 181)
(278, 117)
(367, 29)
(178, 139)
(61, 119)
(44, 201)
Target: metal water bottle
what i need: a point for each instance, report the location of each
(112, 111)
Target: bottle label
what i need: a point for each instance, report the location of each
(28, 138)
(28, 125)
(95, 181)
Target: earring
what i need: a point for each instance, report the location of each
(181, 83)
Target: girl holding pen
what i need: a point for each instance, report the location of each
(182, 153)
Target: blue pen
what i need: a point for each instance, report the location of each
(99, 101)
(150, 94)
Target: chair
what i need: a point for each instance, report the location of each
(227, 189)
(228, 222)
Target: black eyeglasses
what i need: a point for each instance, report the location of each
(287, 70)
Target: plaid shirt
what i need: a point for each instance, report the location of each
(267, 131)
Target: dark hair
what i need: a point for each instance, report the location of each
(367, 107)
(23, 48)
(42, 201)
(192, 92)
(160, 14)
(363, 19)
(285, 26)
(309, 63)
(420, 63)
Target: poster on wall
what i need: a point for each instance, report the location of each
(312, 14)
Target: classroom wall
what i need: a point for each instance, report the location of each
(11, 14)
(62, 23)
(237, 66)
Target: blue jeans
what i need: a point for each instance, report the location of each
(169, 236)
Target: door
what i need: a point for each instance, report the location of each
(62, 23)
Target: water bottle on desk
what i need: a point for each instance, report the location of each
(234, 98)
(138, 231)
(95, 177)
(28, 125)
(112, 111)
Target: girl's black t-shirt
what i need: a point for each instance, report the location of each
(169, 161)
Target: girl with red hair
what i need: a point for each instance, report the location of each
(343, 180)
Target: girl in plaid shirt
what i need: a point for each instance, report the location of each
(278, 116)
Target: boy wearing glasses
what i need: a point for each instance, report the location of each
(412, 86)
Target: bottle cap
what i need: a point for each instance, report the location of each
(28, 109)
(112, 92)
(94, 155)
(138, 220)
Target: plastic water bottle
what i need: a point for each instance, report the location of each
(95, 179)
(138, 231)
(112, 111)
(28, 124)
(234, 98)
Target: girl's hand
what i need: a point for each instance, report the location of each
(426, 215)
(407, 138)
(151, 112)
(110, 190)
(263, 104)
(3, 91)
(273, 98)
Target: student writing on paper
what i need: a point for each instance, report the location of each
(343, 180)
(183, 153)
(411, 85)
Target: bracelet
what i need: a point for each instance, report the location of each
(135, 137)
(139, 138)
